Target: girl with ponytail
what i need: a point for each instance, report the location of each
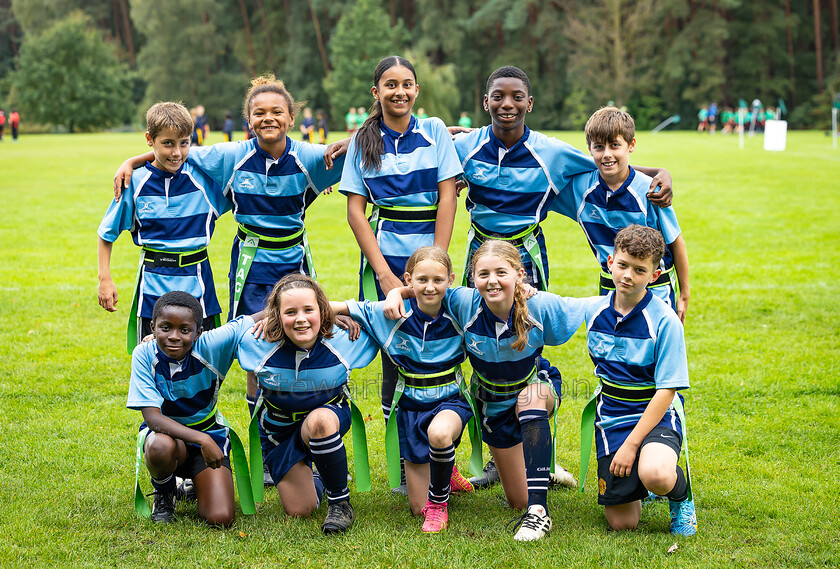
(506, 324)
(405, 168)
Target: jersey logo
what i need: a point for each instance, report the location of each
(599, 348)
(403, 345)
(593, 214)
(146, 207)
(473, 347)
(246, 184)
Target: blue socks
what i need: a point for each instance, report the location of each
(441, 461)
(536, 446)
(330, 456)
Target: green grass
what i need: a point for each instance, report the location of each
(762, 231)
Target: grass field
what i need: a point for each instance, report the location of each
(762, 230)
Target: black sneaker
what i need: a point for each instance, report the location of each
(489, 476)
(339, 518)
(267, 480)
(185, 492)
(163, 507)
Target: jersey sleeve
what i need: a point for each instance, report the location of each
(570, 196)
(666, 222)
(371, 317)
(560, 316)
(219, 346)
(462, 303)
(356, 353)
(119, 216)
(312, 157)
(563, 160)
(671, 360)
(449, 165)
(217, 161)
(142, 390)
(351, 175)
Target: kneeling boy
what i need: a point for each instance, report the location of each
(636, 342)
(175, 383)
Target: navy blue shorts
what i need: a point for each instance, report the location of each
(500, 428)
(284, 448)
(615, 490)
(413, 426)
(252, 300)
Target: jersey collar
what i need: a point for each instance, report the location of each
(164, 173)
(633, 313)
(494, 140)
(624, 185)
(412, 124)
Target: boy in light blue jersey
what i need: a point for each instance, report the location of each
(636, 343)
(170, 209)
(614, 197)
(514, 174)
(175, 383)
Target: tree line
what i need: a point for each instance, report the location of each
(87, 64)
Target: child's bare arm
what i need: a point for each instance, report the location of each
(107, 289)
(123, 176)
(662, 179)
(626, 455)
(335, 150)
(159, 423)
(445, 218)
(678, 251)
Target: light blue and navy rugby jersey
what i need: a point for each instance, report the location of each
(418, 343)
(512, 189)
(412, 165)
(489, 339)
(602, 213)
(174, 213)
(645, 349)
(269, 196)
(187, 391)
(294, 379)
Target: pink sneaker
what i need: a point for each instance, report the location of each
(436, 517)
(458, 483)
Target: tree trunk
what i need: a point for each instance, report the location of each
(127, 33)
(834, 38)
(247, 23)
(818, 44)
(268, 46)
(791, 70)
(321, 48)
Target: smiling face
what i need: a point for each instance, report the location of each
(613, 159)
(300, 316)
(496, 279)
(170, 148)
(631, 275)
(270, 118)
(429, 279)
(396, 90)
(175, 331)
(508, 102)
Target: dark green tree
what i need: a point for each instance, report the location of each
(69, 76)
(362, 37)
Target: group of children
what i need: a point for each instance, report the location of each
(14, 124)
(299, 362)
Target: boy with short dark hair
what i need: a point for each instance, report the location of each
(170, 209)
(636, 343)
(175, 382)
(615, 196)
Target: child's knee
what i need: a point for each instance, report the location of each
(657, 478)
(322, 423)
(299, 510)
(159, 449)
(622, 518)
(440, 436)
(623, 524)
(219, 516)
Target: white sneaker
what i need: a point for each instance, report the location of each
(561, 477)
(534, 524)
